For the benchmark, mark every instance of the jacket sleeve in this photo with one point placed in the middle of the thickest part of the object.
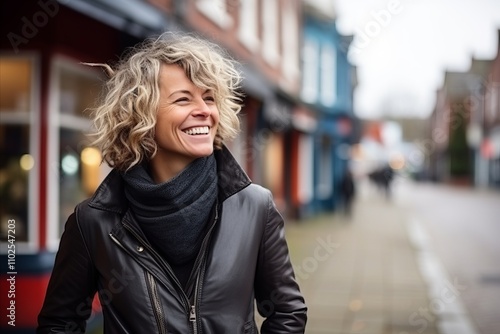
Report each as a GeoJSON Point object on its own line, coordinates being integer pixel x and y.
{"type": "Point", "coordinates": [279, 299]}
{"type": "Point", "coordinates": [72, 285]}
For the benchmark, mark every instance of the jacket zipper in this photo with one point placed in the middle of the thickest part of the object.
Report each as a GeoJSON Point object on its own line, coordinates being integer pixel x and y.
{"type": "Point", "coordinates": [193, 316]}
{"type": "Point", "coordinates": [155, 300]}
{"type": "Point", "coordinates": [190, 307]}
{"type": "Point", "coordinates": [200, 261]}
{"type": "Point", "coordinates": [198, 287]}
{"type": "Point", "coordinates": [205, 242]}
{"type": "Point", "coordinates": [199, 276]}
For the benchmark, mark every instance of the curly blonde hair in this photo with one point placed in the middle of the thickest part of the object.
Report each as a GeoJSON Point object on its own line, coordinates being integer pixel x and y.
{"type": "Point", "coordinates": [125, 120]}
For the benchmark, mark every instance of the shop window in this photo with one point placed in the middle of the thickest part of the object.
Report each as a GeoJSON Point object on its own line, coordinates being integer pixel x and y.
{"type": "Point", "coordinates": [76, 169]}
{"type": "Point", "coordinates": [79, 173]}
{"type": "Point", "coordinates": [15, 166]}
{"type": "Point", "coordinates": [17, 149]}
{"type": "Point", "coordinates": [306, 168]}
{"type": "Point", "coordinates": [274, 167]}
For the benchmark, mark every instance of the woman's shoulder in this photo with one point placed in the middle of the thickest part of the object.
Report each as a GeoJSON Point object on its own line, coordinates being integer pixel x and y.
{"type": "Point", "coordinates": [257, 191]}
{"type": "Point", "coordinates": [256, 196]}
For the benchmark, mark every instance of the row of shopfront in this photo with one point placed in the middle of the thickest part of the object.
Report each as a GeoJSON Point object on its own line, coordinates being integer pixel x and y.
{"type": "Point", "coordinates": [47, 167]}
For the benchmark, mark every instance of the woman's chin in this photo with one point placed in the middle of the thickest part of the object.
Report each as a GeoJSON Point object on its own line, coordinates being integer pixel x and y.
{"type": "Point", "coordinates": [201, 152]}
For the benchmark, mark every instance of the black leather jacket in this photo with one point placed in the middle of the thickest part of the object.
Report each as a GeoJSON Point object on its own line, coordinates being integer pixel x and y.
{"type": "Point", "coordinates": [244, 258]}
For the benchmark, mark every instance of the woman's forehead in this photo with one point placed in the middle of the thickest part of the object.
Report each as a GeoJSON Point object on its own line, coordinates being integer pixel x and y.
{"type": "Point", "coordinates": [173, 79]}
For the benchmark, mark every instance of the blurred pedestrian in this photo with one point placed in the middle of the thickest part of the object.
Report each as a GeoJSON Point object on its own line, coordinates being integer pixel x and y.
{"type": "Point", "coordinates": [382, 178]}
{"type": "Point", "coordinates": [348, 191]}
{"type": "Point", "coordinates": [176, 232]}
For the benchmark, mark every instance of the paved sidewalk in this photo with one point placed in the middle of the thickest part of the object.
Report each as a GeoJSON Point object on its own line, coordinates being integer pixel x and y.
{"type": "Point", "coordinates": [361, 274]}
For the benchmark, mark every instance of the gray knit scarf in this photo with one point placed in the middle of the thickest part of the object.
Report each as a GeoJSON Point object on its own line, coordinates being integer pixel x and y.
{"type": "Point", "coordinates": [174, 214]}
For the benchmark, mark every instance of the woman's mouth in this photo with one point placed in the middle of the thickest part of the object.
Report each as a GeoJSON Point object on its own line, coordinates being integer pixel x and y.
{"type": "Point", "coordinates": [199, 130]}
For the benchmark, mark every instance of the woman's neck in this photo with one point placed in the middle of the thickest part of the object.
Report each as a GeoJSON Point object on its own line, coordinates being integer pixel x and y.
{"type": "Point", "coordinates": [164, 168]}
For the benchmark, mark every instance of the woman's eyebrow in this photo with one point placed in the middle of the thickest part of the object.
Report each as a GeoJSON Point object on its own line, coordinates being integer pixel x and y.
{"type": "Point", "coordinates": [181, 91]}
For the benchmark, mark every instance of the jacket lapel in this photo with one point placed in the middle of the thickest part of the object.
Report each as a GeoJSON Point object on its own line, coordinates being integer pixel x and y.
{"type": "Point", "coordinates": [128, 236]}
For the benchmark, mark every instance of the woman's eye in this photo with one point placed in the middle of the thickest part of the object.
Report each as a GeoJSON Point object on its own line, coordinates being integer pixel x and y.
{"type": "Point", "coordinates": [182, 99]}
{"type": "Point", "coordinates": [209, 98]}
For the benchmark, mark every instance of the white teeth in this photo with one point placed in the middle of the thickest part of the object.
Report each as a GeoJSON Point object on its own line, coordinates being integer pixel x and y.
{"type": "Point", "coordinates": [202, 130]}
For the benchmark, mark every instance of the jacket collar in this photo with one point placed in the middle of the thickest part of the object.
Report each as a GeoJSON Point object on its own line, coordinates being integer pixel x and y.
{"type": "Point", "coordinates": [110, 195]}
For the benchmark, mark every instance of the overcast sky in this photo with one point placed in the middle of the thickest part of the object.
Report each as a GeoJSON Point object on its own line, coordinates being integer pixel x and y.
{"type": "Point", "coordinates": [402, 48]}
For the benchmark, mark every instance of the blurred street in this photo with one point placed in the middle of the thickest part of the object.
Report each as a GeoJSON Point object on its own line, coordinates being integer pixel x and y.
{"type": "Point", "coordinates": [422, 261]}
{"type": "Point", "coordinates": [463, 227]}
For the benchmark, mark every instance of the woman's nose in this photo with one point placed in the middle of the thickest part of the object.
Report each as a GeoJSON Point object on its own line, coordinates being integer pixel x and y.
{"type": "Point", "coordinates": [202, 109]}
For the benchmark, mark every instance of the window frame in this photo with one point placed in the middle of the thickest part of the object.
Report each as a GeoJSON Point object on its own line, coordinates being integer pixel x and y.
{"type": "Point", "coordinates": [310, 71]}
{"type": "Point", "coordinates": [289, 38]}
{"type": "Point", "coordinates": [270, 33]}
{"type": "Point", "coordinates": [216, 11]}
{"type": "Point", "coordinates": [32, 119]}
{"type": "Point", "coordinates": [328, 72]}
{"type": "Point", "coordinates": [248, 30]}
{"type": "Point", "coordinates": [57, 121]}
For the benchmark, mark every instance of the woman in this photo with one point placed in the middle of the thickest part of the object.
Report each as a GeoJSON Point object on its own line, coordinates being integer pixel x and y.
{"type": "Point", "coordinates": [176, 239]}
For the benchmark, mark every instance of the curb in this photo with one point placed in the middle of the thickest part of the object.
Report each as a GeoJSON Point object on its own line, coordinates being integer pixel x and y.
{"type": "Point", "coordinates": [444, 294]}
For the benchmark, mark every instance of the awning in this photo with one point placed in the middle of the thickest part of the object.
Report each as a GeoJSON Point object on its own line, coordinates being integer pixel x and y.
{"type": "Point", "coordinates": [276, 110]}
{"type": "Point", "coordinates": [255, 84]}
{"type": "Point", "coordinates": [135, 17]}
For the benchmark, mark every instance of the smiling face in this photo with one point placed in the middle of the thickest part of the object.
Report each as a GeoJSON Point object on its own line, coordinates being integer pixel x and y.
{"type": "Point", "coordinates": [186, 123]}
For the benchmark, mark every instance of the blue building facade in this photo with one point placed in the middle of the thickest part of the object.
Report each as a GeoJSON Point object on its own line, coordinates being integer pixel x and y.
{"type": "Point", "coordinates": [327, 87]}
